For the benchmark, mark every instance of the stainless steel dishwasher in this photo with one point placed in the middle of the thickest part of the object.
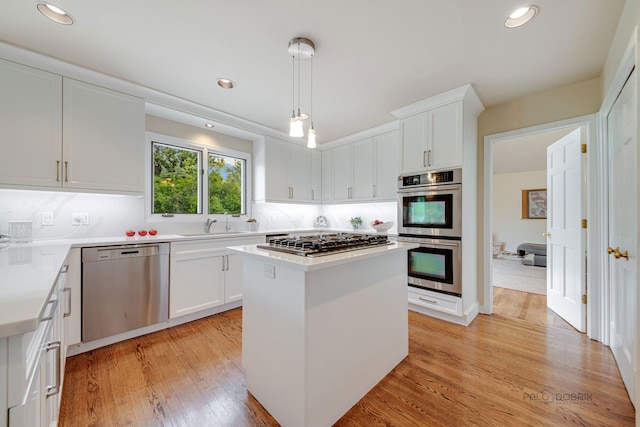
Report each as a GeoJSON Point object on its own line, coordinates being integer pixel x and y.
{"type": "Point", "coordinates": [123, 288]}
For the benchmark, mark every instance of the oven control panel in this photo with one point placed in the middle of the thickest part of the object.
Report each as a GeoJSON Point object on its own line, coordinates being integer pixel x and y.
{"type": "Point", "coordinates": [453, 176]}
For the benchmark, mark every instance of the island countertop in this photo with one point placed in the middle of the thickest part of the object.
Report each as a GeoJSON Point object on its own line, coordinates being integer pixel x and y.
{"type": "Point", "coordinates": [316, 263]}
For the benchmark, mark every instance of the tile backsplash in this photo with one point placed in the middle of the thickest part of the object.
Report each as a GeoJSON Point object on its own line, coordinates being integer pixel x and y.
{"type": "Point", "coordinates": [56, 215]}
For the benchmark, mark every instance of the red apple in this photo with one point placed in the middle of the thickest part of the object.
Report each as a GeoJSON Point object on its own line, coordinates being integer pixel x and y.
{"type": "Point", "coordinates": [130, 233]}
{"type": "Point", "coordinates": [142, 232]}
{"type": "Point", "coordinates": [153, 232]}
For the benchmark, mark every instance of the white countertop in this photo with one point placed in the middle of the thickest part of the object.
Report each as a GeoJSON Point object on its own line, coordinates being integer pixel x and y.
{"type": "Point", "coordinates": [28, 272]}
{"type": "Point", "coordinates": [316, 263]}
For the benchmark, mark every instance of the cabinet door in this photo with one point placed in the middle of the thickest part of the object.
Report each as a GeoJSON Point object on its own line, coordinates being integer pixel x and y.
{"type": "Point", "coordinates": [277, 170]}
{"type": "Point", "coordinates": [362, 170]}
{"type": "Point", "coordinates": [414, 143]}
{"type": "Point", "coordinates": [197, 282]}
{"type": "Point", "coordinates": [233, 277]}
{"type": "Point", "coordinates": [327, 176]}
{"type": "Point", "coordinates": [387, 148]}
{"type": "Point", "coordinates": [342, 173]}
{"type": "Point", "coordinates": [316, 176]}
{"type": "Point", "coordinates": [300, 173]}
{"type": "Point", "coordinates": [30, 126]}
{"type": "Point", "coordinates": [445, 136]}
{"type": "Point", "coordinates": [103, 139]}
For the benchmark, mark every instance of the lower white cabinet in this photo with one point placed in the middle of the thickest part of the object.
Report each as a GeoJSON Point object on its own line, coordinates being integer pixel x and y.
{"type": "Point", "coordinates": [35, 366]}
{"type": "Point", "coordinates": [204, 274]}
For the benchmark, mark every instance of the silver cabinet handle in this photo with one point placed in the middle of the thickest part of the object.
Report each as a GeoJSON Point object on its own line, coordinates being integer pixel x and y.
{"type": "Point", "coordinates": [223, 262]}
{"type": "Point", "coordinates": [313, 194]}
{"type": "Point", "coordinates": [374, 191]}
{"type": "Point", "coordinates": [57, 170]}
{"type": "Point", "coordinates": [49, 316]}
{"type": "Point", "coordinates": [55, 389]}
{"type": "Point", "coordinates": [66, 171]}
{"type": "Point", "coordinates": [429, 158]}
{"type": "Point", "coordinates": [430, 301]}
{"type": "Point", "coordinates": [424, 158]}
{"type": "Point", "coordinates": [68, 292]}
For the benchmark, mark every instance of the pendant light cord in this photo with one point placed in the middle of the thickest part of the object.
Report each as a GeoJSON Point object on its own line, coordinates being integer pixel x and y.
{"type": "Point", "coordinates": [299, 79]}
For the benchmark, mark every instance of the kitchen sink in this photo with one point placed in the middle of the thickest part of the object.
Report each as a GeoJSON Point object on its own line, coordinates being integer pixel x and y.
{"type": "Point", "coordinates": [215, 234]}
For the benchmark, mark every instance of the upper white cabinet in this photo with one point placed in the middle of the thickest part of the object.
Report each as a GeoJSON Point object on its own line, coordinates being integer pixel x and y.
{"type": "Point", "coordinates": [30, 126]}
{"type": "Point", "coordinates": [434, 132]}
{"type": "Point", "coordinates": [316, 176]}
{"type": "Point", "coordinates": [283, 172]}
{"type": "Point", "coordinates": [65, 133]}
{"type": "Point", "coordinates": [103, 139]}
{"type": "Point", "coordinates": [363, 171]}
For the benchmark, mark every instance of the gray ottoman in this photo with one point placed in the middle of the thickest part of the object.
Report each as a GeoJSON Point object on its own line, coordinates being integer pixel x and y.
{"type": "Point", "coordinates": [538, 250]}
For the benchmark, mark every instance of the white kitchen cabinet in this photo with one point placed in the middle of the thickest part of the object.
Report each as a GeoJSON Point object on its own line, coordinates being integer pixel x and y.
{"type": "Point", "coordinates": [196, 278]}
{"type": "Point", "coordinates": [327, 176]}
{"type": "Point", "coordinates": [62, 133]}
{"type": "Point", "coordinates": [439, 132]}
{"type": "Point", "coordinates": [365, 170]}
{"type": "Point", "coordinates": [432, 140]}
{"type": "Point", "coordinates": [30, 126]}
{"type": "Point", "coordinates": [282, 171]}
{"type": "Point", "coordinates": [387, 152]}
{"type": "Point", "coordinates": [205, 274]}
{"type": "Point", "coordinates": [342, 165]}
{"type": "Point", "coordinates": [33, 371]}
{"type": "Point", "coordinates": [74, 283]}
{"type": "Point", "coordinates": [103, 139]}
{"type": "Point", "coordinates": [316, 176]}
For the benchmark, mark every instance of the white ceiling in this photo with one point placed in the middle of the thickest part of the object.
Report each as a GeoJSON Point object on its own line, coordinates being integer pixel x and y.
{"type": "Point", "coordinates": [372, 56]}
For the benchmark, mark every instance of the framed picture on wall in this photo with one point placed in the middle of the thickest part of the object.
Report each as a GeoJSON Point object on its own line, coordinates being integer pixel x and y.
{"type": "Point", "coordinates": [534, 204]}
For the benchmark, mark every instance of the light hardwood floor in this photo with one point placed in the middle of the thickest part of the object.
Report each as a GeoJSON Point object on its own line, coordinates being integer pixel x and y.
{"type": "Point", "coordinates": [523, 367]}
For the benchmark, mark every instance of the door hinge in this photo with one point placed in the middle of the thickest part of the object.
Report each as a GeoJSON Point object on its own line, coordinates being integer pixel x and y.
{"type": "Point", "coordinates": [584, 223]}
{"type": "Point", "coordinates": [584, 299]}
{"type": "Point", "coordinates": [584, 148]}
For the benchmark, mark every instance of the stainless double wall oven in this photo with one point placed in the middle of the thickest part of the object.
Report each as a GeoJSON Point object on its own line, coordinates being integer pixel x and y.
{"type": "Point", "coordinates": [430, 214]}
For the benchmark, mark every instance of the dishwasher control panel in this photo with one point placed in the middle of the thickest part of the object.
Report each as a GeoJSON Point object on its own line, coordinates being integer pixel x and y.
{"type": "Point", "coordinates": [127, 253]}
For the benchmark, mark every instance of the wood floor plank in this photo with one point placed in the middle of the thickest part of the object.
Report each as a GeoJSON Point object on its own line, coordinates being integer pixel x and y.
{"type": "Point", "coordinates": [520, 366]}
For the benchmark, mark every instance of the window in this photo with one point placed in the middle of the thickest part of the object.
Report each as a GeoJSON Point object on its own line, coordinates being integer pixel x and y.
{"type": "Point", "coordinates": [181, 185]}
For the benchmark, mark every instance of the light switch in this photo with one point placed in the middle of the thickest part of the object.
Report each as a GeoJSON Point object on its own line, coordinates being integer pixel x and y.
{"type": "Point", "coordinates": [47, 218]}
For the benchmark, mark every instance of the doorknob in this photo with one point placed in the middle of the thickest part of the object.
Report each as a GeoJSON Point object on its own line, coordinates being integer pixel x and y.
{"type": "Point", "coordinates": [617, 254]}
{"type": "Point", "coordinates": [546, 234]}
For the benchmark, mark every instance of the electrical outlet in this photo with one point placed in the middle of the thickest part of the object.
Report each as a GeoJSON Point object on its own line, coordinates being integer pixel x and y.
{"type": "Point", "coordinates": [270, 271]}
{"type": "Point", "coordinates": [80, 218]}
{"type": "Point", "coordinates": [47, 218]}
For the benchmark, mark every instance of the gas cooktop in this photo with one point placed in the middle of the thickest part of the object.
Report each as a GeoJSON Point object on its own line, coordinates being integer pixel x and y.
{"type": "Point", "coordinates": [324, 244]}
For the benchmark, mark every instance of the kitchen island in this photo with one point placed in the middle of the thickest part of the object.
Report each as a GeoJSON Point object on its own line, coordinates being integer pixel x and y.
{"type": "Point", "coordinates": [319, 333]}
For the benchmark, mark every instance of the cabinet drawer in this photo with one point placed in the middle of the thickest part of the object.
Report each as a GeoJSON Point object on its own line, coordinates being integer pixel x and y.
{"type": "Point", "coordinates": [434, 301]}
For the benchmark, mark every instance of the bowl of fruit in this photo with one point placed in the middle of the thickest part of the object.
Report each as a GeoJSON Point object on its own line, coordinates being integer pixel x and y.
{"type": "Point", "coordinates": [381, 226]}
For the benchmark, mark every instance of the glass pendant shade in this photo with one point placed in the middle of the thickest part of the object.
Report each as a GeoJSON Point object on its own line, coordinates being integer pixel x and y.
{"type": "Point", "coordinates": [312, 137]}
{"type": "Point", "coordinates": [295, 128]}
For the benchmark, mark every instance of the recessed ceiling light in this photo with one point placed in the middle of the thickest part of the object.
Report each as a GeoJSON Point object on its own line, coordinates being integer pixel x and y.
{"type": "Point", "coordinates": [55, 13]}
{"type": "Point", "coordinates": [226, 83]}
{"type": "Point", "coordinates": [209, 125]}
{"type": "Point", "coordinates": [521, 16]}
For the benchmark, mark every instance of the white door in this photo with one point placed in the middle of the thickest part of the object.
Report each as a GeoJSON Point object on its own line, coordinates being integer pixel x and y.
{"type": "Point", "coordinates": [623, 231]}
{"type": "Point", "coordinates": [566, 283]}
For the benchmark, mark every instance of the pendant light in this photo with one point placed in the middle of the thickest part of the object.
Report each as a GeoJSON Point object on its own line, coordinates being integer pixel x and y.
{"type": "Point", "coordinates": [311, 143]}
{"type": "Point", "coordinates": [300, 49]}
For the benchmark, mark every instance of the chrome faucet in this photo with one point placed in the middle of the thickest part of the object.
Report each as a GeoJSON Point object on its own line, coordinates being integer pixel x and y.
{"type": "Point", "coordinates": [208, 224]}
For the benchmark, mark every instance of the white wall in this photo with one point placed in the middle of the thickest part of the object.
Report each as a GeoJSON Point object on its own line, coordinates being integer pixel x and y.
{"type": "Point", "coordinates": [508, 225]}
{"type": "Point", "coordinates": [338, 215]}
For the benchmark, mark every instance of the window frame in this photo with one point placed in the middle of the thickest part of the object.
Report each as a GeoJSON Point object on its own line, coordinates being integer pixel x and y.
{"type": "Point", "coordinates": [204, 150]}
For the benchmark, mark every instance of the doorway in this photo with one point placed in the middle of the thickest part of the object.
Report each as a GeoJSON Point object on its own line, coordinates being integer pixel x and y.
{"type": "Point", "coordinates": [518, 138]}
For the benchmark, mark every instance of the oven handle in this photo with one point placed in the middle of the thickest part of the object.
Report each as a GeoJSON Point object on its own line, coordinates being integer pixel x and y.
{"type": "Point", "coordinates": [425, 243]}
{"type": "Point", "coordinates": [430, 188]}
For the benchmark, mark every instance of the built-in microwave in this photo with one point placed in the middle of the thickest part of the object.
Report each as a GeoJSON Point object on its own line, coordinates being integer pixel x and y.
{"type": "Point", "coordinates": [430, 204]}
